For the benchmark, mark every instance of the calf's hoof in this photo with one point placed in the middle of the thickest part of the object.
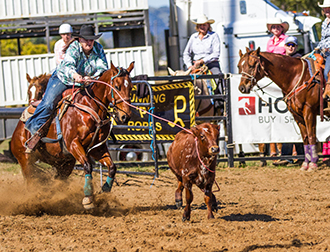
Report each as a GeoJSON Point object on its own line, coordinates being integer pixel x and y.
{"type": "Point", "coordinates": [215, 206]}
{"type": "Point", "coordinates": [178, 204]}
{"type": "Point", "coordinates": [88, 202]}
{"type": "Point", "coordinates": [304, 166]}
{"type": "Point", "coordinates": [312, 167]}
{"type": "Point", "coordinates": [185, 218]}
{"type": "Point", "coordinates": [263, 163]}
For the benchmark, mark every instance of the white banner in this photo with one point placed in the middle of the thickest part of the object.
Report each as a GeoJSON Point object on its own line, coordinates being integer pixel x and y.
{"type": "Point", "coordinates": [266, 119]}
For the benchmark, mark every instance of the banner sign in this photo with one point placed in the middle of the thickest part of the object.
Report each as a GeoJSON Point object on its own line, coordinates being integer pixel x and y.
{"type": "Point", "coordinates": [263, 117]}
{"type": "Point", "coordinates": [173, 101]}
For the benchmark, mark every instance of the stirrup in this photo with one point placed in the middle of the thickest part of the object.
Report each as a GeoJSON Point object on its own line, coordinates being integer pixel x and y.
{"type": "Point", "coordinates": [32, 142]}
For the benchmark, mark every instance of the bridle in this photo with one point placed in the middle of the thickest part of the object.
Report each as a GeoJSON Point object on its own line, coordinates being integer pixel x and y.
{"type": "Point", "coordinates": [252, 77]}
{"type": "Point", "coordinates": [113, 100]}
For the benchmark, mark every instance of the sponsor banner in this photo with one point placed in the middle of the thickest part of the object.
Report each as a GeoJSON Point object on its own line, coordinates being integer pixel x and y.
{"type": "Point", "coordinates": [262, 116]}
{"type": "Point", "coordinates": [173, 101]}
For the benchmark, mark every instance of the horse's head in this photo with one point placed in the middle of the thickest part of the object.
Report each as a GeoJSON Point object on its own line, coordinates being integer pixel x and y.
{"type": "Point", "coordinates": [37, 86]}
{"type": "Point", "coordinates": [121, 82]}
{"type": "Point", "coordinates": [251, 69]}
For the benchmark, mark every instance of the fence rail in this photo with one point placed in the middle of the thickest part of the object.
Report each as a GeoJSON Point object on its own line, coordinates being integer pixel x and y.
{"type": "Point", "coordinates": [13, 70]}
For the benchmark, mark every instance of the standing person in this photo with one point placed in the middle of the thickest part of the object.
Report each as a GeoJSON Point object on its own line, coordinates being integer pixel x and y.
{"type": "Point", "coordinates": [291, 46]}
{"type": "Point", "coordinates": [276, 43]}
{"type": "Point", "coordinates": [203, 47]}
{"type": "Point", "coordinates": [65, 31]}
{"type": "Point", "coordinates": [84, 59]}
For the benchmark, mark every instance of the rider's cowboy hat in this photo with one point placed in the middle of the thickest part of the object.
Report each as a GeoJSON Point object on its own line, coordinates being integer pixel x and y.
{"type": "Point", "coordinates": [326, 4]}
{"type": "Point", "coordinates": [278, 21]}
{"type": "Point", "coordinates": [87, 32]}
{"type": "Point", "coordinates": [202, 20]}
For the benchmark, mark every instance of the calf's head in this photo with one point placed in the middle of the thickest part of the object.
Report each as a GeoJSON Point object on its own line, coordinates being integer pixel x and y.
{"type": "Point", "coordinates": [207, 138]}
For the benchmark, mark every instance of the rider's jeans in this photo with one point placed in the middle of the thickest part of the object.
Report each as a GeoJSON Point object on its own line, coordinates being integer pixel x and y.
{"type": "Point", "coordinates": [52, 96]}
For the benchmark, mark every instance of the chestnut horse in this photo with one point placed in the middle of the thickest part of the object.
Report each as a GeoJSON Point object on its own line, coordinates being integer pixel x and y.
{"type": "Point", "coordinates": [37, 86]}
{"type": "Point", "coordinates": [301, 94]}
{"type": "Point", "coordinates": [85, 127]}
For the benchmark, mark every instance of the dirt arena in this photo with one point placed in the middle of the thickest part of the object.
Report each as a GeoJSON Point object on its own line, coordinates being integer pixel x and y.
{"type": "Point", "coordinates": [260, 209]}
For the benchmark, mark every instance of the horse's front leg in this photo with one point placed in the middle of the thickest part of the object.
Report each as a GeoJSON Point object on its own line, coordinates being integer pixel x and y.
{"type": "Point", "coordinates": [77, 150]}
{"type": "Point", "coordinates": [103, 156]}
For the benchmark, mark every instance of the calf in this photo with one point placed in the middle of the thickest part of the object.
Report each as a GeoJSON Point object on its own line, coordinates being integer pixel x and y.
{"type": "Point", "coordinates": [184, 158]}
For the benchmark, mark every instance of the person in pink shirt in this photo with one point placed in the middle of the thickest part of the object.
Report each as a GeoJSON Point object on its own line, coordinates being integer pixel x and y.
{"type": "Point", "coordinates": [276, 43]}
{"type": "Point", "coordinates": [65, 31]}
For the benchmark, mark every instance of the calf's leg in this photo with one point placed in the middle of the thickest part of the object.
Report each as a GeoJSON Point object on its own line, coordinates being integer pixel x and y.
{"type": "Point", "coordinates": [209, 200]}
{"type": "Point", "coordinates": [189, 199]}
{"type": "Point", "coordinates": [178, 195]}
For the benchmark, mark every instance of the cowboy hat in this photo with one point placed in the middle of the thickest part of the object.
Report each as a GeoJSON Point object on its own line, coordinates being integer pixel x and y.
{"type": "Point", "coordinates": [202, 20]}
{"type": "Point", "coordinates": [87, 32]}
{"type": "Point", "coordinates": [278, 21]}
{"type": "Point", "coordinates": [326, 3]}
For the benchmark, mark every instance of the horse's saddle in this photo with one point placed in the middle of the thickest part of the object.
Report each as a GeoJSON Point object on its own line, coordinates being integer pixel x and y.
{"type": "Point", "coordinates": [28, 112]}
{"type": "Point", "coordinates": [316, 64]}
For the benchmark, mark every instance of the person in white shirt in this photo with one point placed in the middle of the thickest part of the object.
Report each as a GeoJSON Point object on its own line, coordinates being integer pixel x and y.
{"type": "Point", "coordinates": [65, 31]}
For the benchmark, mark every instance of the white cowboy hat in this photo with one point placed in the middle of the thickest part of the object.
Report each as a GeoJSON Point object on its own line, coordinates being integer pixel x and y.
{"type": "Point", "coordinates": [285, 25]}
{"type": "Point", "coordinates": [326, 3]}
{"type": "Point", "coordinates": [202, 20]}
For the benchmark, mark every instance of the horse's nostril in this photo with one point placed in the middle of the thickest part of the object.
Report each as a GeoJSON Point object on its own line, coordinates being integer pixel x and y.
{"type": "Point", "coordinates": [124, 118]}
{"type": "Point", "coordinates": [242, 89]}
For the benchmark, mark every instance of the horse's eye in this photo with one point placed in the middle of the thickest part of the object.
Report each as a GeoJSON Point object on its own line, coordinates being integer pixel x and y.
{"type": "Point", "coordinates": [118, 88]}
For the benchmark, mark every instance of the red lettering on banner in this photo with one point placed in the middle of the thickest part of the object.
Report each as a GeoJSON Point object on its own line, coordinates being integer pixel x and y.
{"type": "Point", "coordinates": [246, 105]}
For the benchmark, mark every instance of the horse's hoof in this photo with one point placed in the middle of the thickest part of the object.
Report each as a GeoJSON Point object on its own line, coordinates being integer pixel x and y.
{"type": "Point", "coordinates": [178, 204]}
{"type": "Point", "coordinates": [312, 167]}
{"type": "Point", "coordinates": [88, 202]}
{"type": "Point", "coordinates": [185, 219]}
{"type": "Point", "coordinates": [304, 166]}
{"type": "Point", "coordinates": [106, 188]}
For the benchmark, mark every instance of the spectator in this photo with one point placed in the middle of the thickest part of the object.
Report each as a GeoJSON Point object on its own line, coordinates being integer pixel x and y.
{"type": "Point", "coordinates": [65, 31]}
{"type": "Point", "coordinates": [203, 47]}
{"type": "Point", "coordinates": [276, 43]}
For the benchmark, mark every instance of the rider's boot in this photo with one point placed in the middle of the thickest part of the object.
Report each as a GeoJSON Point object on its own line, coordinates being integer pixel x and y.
{"type": "Point", "coordinates": [31, 143]}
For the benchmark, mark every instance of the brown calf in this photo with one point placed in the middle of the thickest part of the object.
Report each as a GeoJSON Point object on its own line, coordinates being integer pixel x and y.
{"type": "Point", "coordinates": [182, 158]}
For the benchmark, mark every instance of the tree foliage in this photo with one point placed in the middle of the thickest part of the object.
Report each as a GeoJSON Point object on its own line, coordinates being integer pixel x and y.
{"type": "Point", "coordinates": [299, 6]}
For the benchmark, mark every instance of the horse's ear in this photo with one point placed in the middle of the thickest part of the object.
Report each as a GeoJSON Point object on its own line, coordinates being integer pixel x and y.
{"type": "Point", "coordinates": [170, 71]}
{"type": "Point", "coordinates": [113, 68]}
{"type": "Point", "coordinates": [247, 49]}
{"type": "Point", "coordinates": [240, 53]}
{"type": "Point", "coordinates": [188, 71]}
{"type": "Point", "coordinates": [258, 50]}
{"type": "Point", "coordinates": [131, 66]}
{"type": "Point", "coordinates": [28, 77]}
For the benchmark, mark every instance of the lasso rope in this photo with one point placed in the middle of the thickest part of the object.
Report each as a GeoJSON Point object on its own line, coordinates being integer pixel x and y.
{"type": "Point", "coordinates": [160, 118]}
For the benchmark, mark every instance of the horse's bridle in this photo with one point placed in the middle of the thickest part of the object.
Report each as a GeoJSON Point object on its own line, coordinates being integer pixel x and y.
{"type": "Point", "coordinates": [252, 77]}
